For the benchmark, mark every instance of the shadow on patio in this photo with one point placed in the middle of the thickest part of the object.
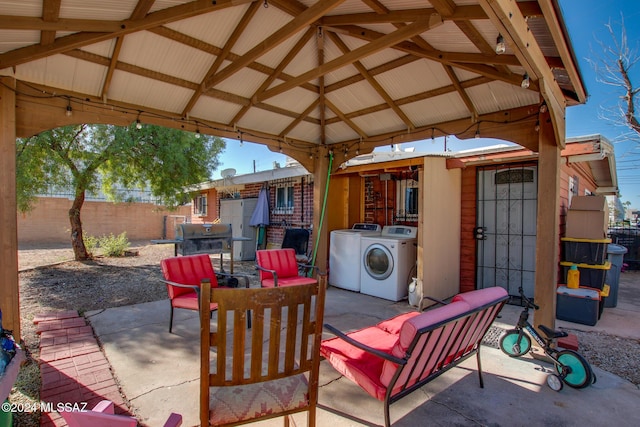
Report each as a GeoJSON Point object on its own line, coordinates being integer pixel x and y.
{"type": "Point", "coordinates": [158, 373]}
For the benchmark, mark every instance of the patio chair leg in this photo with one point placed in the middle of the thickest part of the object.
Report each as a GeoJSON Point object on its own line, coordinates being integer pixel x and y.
{"type": "Point", "coordinates": [171, 319]}
{"type": "Point", "coordinates": [479, 368]}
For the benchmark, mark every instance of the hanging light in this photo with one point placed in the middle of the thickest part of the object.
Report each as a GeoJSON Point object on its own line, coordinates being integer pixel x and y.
{"type": "Point", "coordinates": [543, 107]}
{"type": "Point", "coordinates": [500, 46]}
{"type": "Point", "coordinates": [197, 134]}
{"type": "Point", "coordinates": [478, 131]}
{"type": "Point", "coordinates": [525, 81]}
{"type": "Point", "coordinates": [537, 126]}
{"type": "Point", "coordinates": [69, 111]}
{"type": "Point", "coordinates": [240, 138]}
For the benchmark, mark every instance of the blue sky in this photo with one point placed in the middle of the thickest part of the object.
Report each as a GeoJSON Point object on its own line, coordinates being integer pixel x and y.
{"type": "Point", "coordinates": [585, 21]}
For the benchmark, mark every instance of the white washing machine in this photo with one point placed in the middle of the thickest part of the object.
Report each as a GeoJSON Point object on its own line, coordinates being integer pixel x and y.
{"type": "Point", "coordinates": [387, 262]}
{"type": "Point", "coordinates": [344, 255]}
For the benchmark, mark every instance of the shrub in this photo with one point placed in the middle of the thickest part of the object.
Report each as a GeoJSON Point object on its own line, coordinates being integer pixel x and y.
{"type": "Point", "coordinates": [114, 246]}
{"type": "Point", "coordinates": [90, 243]}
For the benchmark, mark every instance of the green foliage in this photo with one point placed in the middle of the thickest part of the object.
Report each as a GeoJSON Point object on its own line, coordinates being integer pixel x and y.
{"type": "Point", "coordinates": [168, 160]}
{"type": "Point", "coordinates": [114, 246]}
{"type": "Point", "coordinates": [91, 243]}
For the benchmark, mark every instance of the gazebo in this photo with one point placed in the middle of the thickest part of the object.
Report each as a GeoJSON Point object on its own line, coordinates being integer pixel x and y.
{"type": "Point", "coordinates": [316, 80]}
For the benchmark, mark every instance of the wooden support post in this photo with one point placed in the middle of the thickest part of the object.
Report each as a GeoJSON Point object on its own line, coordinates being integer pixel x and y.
{"type": "Point", "coordinates": [9, 298]}
{"type": "Point", "coordinates": [548, 239]}
{"type": "Point", "coordinates": [321, 165]}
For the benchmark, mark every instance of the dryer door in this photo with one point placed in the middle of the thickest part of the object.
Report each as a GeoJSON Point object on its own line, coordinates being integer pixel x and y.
{"type": "Point", "coordinates": [378, 261]}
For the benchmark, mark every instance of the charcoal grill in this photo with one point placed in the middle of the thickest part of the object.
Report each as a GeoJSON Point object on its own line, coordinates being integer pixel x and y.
{"type": "Point", "coordinates": [194, 239]}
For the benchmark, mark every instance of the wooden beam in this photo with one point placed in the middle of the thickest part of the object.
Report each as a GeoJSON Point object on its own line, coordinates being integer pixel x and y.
{"type": "Point", "coordinates": [302, 20]}
{"type": "Point", "coordinates": [373, 82]}
{"type": "Point", "coordinates": [508, 18]}
{"type": "Point", "coordinates": [76, 41]}
{"type": "Point", "coordinates": [564, 47]}
{"type": "Point", "coordinates": [547, 235]}
{"type": "Point", "coordinates": [50, 13]}
{"type": "Point", "coordinates": [461, 13]}
{"type": "Point", "coordinates": [277, 72]}
{"type": "Point", "coordinates": [475, 64]}
{"type": "Point", "coordinates": [381, 43]}
{"type": "Point", "coordinates": [226, 50]}
{"type": "Point", "coordinates": [9, 289]}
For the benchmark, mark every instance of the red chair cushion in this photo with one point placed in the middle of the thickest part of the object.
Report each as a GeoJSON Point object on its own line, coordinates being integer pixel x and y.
{"type": "Point", "coordinates": [289, 281]}
{"type": "Point", "coordinates": [187, 270]}
{"type": "Point", "coordinates": [189, 301]}
{"type": "Point", "coordinates": [359, 366]}
{"type": "Point", "coordinates": [283, 261]}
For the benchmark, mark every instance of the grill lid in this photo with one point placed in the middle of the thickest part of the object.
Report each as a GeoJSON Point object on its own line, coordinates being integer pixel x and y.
{"type": "Point", "coordinates": [203, 231]}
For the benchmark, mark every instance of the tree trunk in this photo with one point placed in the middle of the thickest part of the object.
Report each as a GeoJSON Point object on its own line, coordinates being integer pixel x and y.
{"type": "Point", "coordinates": [77, 240]}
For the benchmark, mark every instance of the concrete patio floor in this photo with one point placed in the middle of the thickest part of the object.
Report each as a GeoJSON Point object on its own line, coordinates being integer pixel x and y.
{"type": "Point", "coordinates": [159, 373]}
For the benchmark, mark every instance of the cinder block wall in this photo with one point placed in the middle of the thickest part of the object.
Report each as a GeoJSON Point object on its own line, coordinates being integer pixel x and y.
{"type": "Point", "coordinates": [48, 222]}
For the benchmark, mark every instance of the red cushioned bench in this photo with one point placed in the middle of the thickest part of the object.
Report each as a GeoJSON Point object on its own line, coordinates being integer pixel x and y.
{"type": "Point", "coordinates": [399, 355]}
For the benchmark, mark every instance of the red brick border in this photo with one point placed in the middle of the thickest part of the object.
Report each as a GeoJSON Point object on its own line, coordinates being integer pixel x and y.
{"type": "Point", "coordinates": [73, 368]}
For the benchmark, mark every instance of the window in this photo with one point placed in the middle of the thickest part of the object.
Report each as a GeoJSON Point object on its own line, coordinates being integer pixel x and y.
{"type": "Point", "coordinates": [200, 205]}
{"type": "Point", "coordinates": [407, 199]}
{"type": "Point", "coordinates": [284, 200]}
{"type": "Point", "coordinates": [573, 188]}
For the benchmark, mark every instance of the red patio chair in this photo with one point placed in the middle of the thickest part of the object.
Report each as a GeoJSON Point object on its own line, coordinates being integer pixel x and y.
{"type": "Point", "coordinates": [278, 267]}
{"type": "Point", "coordinates": [183, 276]}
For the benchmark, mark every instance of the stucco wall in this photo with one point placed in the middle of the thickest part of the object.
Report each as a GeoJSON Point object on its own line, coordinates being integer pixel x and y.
{"type": "Point", "coordinates": [48, 222]}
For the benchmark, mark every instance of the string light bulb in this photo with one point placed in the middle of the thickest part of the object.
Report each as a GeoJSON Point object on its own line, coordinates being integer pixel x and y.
{"type": "Point", "coordinates": [138, 124]}
{"type": "Point", "coordinates": [478, 131]}
{"type": "Point", "coordinates": [69, 110]}
{"type": "Point", "coordinates": [501, 47]}
{"type": "Point", "coordinates": [197, 134]}
{"type": "Point", "coordinates": [537, 126]}
{"type": "Point", "coordinates": [525, 81]}
{"type": "Point", "coordinates": [543, 107]}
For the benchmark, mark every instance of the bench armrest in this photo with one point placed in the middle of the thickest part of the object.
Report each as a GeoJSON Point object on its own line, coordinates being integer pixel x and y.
{"type": "Point", "coordinates": [364, 347]}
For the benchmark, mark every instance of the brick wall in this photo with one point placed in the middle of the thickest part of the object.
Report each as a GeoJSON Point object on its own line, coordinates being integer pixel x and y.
{"type": "Point", "coordinates": [48, 222]}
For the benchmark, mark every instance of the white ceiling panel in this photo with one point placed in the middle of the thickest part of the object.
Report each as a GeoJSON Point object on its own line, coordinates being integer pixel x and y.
{"type": "Point", "coordinates": [355, 97]}
{"type": "Point", "coordinates": [214, 109]}
{"type": "Point", "coordinates": [413, 78]}
{"type": "Point", "coordinates": [438, 109]}
{"type": "Point", "coordinates": [146, 92]}
{"type": "Point", "coordinates": [165, 56]}
{"type": "Point", "coordinates": [11, 39]}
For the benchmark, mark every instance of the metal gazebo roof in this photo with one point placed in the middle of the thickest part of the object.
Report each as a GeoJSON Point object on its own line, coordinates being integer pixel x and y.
{"type": "Point", "coordinates": [351, 74]}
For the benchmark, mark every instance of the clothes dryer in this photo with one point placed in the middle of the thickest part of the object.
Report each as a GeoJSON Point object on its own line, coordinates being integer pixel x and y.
{"type": "Point", "coordinates": [388, 261]}
{"type": "Point", "coordinates": [344, 255]}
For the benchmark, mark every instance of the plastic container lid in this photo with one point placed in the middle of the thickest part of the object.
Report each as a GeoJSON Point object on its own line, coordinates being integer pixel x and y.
{"type": "Point", "coordinates": [612, 248]}
{"type": "Point", "coordinates": [574, 267]}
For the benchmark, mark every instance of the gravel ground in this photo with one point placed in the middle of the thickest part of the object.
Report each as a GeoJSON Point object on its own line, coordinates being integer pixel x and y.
{"type": "Point", "coordinates": [51, 281]}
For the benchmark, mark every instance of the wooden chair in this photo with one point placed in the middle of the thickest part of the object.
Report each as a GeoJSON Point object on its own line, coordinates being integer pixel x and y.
{"type": "Point", "coordinates": [278, 267]}
{"type": "Point", "coordinates": [183, 276]}
{"type": "Point", "coordinates": [103, 415]}
{"type": "Point", "coordinates": [270, 370]}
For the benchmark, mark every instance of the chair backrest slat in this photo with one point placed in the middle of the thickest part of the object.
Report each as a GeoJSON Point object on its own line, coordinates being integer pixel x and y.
{"type": "Point", "coordinates": [284, 339]}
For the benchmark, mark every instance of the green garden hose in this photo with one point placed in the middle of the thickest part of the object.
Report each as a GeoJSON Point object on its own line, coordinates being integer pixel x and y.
{"type": "Point", "coordinates": [324, 206]}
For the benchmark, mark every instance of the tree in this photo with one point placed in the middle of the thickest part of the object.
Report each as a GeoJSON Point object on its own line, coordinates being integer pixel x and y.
{"type": "Point", "coordinates": [615, 68]}
{"type": "Point", "coordinates": [92, 157]}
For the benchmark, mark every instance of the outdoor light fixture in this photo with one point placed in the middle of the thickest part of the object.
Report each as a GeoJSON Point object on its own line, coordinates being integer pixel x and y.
{"type": "Point", "coordinates": [478, 132]}
{"type": "Point", "coordinates": [138, 124]}
{"type": "Point", "coordinates": [197, 133]}
{"type": "Point", "coordinates": [543, 107]}
{"type": "Point", "coordinates": [500, 46]}
{"type": "Point", "coordinates": [537, 126]}
{"type": "Point", "coordinates": [240, 138]}
{"type": "Point", "coordinates": [525, 81]}
{"type": "Point", "coordinates": [69, 111]}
